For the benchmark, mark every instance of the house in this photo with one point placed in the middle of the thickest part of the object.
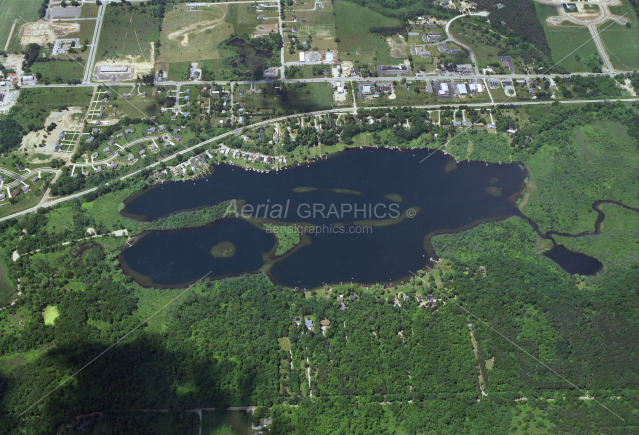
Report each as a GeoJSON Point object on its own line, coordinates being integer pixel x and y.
{"type": "Point", "coordinates": [186, 114]}
{"type": "Point", "coordinates": [309, 324]}
{"type": "Point", "coordinates": [113, 166]}
{"type": "Point", "coordinates": [26, 188]}
{"type": "Point", "coordinates": [57, 147]}
{"type": "Point", "coordinates": [187, 91]}
{"type": "Point", "coordinates": [142, 153]}
{"type": "Point", "coordinates": [267, 422]}
{"type": "Point", "coordinates": [500, 6]}
{"type": "Point", "coordinates": [20, 168]}
{"type": "Point", "coordinates": [2, 196]}
{"type": "Point", "coordinates": [153, 147]}
{"type": "Point", "coordinates": [90, 139]}
{"type": "Point", "coordinates": [260, 17]}
{"type": "Point", "coordinates": [187, 98]}
{"type": "Point", "coordinates": [94, 155]}
{"type": "Point", "coordinates": [297, 321]}
{"type": "Point", "coordinates": [98, 169]}
{"type": "Point", "coordinates": [130, 157]}
{"type": "Point", "coordinates": [95, 130]}
{"type": "Point", "coordinates": [128, 131]}
{"type": "Point", "coordinates": [63, 135]}
{"type": "Point", "coordinates": [162, 128]}
{"type": "Point", "coordinates": [35, 179]}
{"type": "Point", "coordinates": [111, 142]}
{"type": "Point", "coordinates": [151, 130]}
{"type": "Point", "coordinates": [125, 95]}
{"type": "Point", "coordinates": [143, 94]}
{"type": "Point", "coordinates": [241, 93]}
{"type": "Point", "coordinates": [178, 138]}
{"type": "Point", "coordinates": [106, 150]}
{"type": "Point", "coordinates": [294, 17]}
{"type": "Point", "coordinates": [419, 298]}
{"type": "Point", "coordinates": [354, 297]}
{"type": "Point", "coordinates": [15, 193]}
{"type": "Point", "coordinates": [405, 297]}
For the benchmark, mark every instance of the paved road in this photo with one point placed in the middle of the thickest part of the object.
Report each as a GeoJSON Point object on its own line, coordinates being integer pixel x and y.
{"type": "Point", "coordinates": [115, 154]}
{"type": "Point", "coordinates": [237, 131]}
{"type": "Point", "coordinates": [94, 45]}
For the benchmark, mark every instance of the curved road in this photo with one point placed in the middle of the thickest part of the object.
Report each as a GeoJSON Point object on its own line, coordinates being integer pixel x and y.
{"type": "Point", "coordinates": [465, 47]}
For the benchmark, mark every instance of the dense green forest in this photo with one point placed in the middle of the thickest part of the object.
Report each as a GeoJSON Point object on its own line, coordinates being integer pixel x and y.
{"type": "Point", "coordinates": [392, 359]}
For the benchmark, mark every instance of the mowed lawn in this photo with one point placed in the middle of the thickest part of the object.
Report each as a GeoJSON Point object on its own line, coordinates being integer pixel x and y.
{"type": "Point", "coordinates": [193, 36]}
{"type": "Point", "coordinates": [127, 32]}
{"type": "Point", "coordinates": [12, 9]}
{"type": "Point", "coordinates": [567, 41]}
{"type": "Point", "coordinates": [620, 42]}
{"type": "Point", "coordinates": [352, 24]}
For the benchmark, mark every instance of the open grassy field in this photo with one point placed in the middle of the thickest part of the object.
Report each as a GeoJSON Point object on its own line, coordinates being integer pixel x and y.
{"type": "Point", "coordinates": [50, 313]}
{"type": "Point", "coordinates": [192, 36]}
{"type": "Point", "coordinates": [301, 97]}
{"type": "Point", "coordinates": [243, 18]}
{"type": "Point", "coordinates": [620, 42]}
{"type": "Point", "coordinates": [354, 34]}
{"type": "Point", "coordinates": [226, 423]}
{"type": "Point", "coordinates": [14, 9]}
{"type": "Point", "coordinates": [60, 219]}
{"type": "Point", "coordinates": [567, 41]}
{"type": "Point", "coordinates": [59, 71]}
{"type": "Point", "coordinates": [106, 209]}
{"type": "Point", "coordinates": [89, 10]}
{"type": "Point", "coordinates": [127, 33]}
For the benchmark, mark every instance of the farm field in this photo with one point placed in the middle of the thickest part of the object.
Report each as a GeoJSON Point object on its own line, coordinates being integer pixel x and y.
{"type": "Point", "coordinates": [355, 36]}
{"type": "Point", "coordinates": [620, 42]}
{"type": "Point", "coordinates": [567, 41]}
{"type": "Point", "coordinates": [128, 34]}
{"type": "Point", "coordinates": [193, 36]}
{"type": "Point", "coordinates": [27, 9]}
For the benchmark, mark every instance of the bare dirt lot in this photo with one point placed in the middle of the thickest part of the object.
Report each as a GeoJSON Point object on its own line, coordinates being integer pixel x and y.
{"type": "Point", "coordinates": [66, 120]}
{"type": "Point", "coordinates": [42, 32]}
{"type": "Point", "coordinates": [397, 46]}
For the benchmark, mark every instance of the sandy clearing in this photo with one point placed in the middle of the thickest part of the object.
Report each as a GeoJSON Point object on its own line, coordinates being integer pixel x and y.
{"type": "Point", "coordinates": [41, 32]}
{"type": "Point", "coordinates": [195, 28]}
{"type": "Point", "coordinates": [67, 120]}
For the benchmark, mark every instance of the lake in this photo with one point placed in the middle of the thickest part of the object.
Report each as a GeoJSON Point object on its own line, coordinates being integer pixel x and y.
{"type": "Point", "coordinates": [362, 200]}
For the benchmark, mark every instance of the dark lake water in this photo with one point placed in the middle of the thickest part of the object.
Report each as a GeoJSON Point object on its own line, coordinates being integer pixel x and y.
{"type": "Point", "coordinates": [574, 262]}
{"type": "Point", "coordinates": [446, 197]}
